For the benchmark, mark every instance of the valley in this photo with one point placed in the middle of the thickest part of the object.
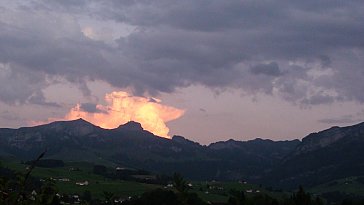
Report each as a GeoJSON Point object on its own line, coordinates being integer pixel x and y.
{"type": "Point", "coordinates": [129, 161]}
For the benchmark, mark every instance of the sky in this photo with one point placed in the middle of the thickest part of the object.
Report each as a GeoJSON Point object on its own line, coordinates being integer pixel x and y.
{"type": "Point", "coordinates": [208, 70]}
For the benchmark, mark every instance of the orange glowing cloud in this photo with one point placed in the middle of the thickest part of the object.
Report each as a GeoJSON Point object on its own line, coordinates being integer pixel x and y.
{"type": "Point", "coordinates": [122, 108]}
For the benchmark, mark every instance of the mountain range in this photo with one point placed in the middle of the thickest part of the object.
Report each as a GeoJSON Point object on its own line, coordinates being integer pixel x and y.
{"type": "Point", "coordinates": [319, 157]}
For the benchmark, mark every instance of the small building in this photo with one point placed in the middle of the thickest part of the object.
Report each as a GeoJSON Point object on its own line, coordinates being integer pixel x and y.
{"type": "Point", "coordinates": [85, 183]}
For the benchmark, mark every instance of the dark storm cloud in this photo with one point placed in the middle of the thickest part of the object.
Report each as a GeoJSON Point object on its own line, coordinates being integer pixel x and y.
{"type": "Point", "coordinates": [318, 99]}
{"type": "Point", "coordinates": [39, 99]}
{"type": "Point", "coordinates": [266, 69]}
{"type": "Point", "coordinates": [325, 60]}
{"type": "Point", "coordinates": [175, 44]}
{"type": "Point", "coordinates": [341, 120]}
{"type": "Point", "coordinates": [9, 116]}
{"type": "Point", "coordinates": [90, 108]}
{"type": "Point", "coordinates": [19, 85]}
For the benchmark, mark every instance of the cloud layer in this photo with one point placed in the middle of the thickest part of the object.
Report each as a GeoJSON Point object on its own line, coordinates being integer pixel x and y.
{"type": "Point", "coordinates": [122, 108]}
{"type": "Point", "coordinates": [306, 52]}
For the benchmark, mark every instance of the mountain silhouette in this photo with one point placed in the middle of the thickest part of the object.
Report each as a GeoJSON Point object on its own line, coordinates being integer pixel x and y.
{"type": "Point", "coordinates": [320, 157]}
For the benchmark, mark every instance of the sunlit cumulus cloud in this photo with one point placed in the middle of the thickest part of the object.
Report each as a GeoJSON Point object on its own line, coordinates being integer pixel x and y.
{"type": "Point", "coordinates": [122, 108]}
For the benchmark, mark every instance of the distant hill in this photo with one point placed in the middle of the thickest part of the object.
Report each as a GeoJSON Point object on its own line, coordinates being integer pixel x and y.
{"type": "Point", "coordinates": [331, 154]}
{"type": "Point", "coordinates": [320, 157]}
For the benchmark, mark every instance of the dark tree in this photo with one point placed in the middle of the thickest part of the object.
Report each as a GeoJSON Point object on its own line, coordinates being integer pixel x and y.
{"type": "Point", "coordinates": [100, 170]}
{"type": "Point", "coordinates": [180, 183]}
{"type": "Point", "coordinates": [236, 197]}
{"type": "Point", "coordinates": [108, 197]}
{"type": "Point", "coordinates": [87, 196]}
{"type": "Point", "coordinates": [301, 197]}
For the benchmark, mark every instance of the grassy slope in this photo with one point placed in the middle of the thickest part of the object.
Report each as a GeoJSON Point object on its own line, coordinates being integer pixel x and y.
{"type": "Point", "coordinates": [347, 185]}
{"type": "Point", "coordinates": [209, 191]}
{"type": "Point", "coordinates": [219, 191]}
{"type": "Point", "coordinates": [97, 184]}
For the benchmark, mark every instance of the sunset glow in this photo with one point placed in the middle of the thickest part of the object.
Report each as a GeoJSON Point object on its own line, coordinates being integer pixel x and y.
{"type": "Point", "coordinates": [122, 108]}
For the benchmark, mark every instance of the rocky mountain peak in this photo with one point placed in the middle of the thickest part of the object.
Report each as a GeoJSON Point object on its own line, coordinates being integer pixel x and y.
{"type": "Point", "coordinates": [78, 127]}
{"type": "Point", "coordinates": [329, 136]}
{"type": "Point", "coordinates": [229, 144]}
{"type": "Point", "coordinates": [132, 126]}
{"type": "Point", "coordinates": [183, 140]}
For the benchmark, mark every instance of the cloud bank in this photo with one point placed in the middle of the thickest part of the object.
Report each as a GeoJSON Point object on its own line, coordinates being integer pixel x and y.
{"type": "Point", "coordinates": [122, 108]}
{"type": "Point", "coordinates": [306, 52]}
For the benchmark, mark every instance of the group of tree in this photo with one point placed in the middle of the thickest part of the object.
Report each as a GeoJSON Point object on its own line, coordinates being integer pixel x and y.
{"type": "Point", "coordinates": [129, 175]}
{"type": "Point", "coordinates": [181, 195]}
{"type": "Point", "coordinates": [300, 197]}
{"type": "Point", "coordinates": [47, 163]}
{"type": "Point", "coordinates": [22, 189]}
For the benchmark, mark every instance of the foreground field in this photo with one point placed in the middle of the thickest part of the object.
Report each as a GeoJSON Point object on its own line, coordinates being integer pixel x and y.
{"type": "Point", "coordinates": [77, 178]}
{"type": "Point", "coordinates": [351, 186]}
{"type": "Point", "coordinates": [66, 178]}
